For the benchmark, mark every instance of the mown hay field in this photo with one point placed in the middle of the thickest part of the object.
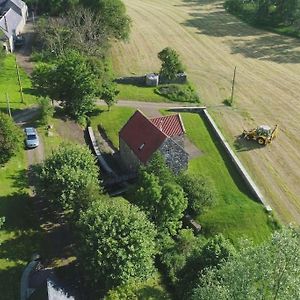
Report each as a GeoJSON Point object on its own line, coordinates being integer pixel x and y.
{"type": "Point", "coordinates": [211, 43]}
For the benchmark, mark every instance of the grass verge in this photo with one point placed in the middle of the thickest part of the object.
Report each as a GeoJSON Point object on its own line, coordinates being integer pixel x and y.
{"type": "Point", "coordinates": [137, 93]}
{"type": "Point", "coordinates": [111, 121]}
{"type": "Point", "coordinates": [20, 236]}
{"type": "Point", "coordinates": [9, 84]}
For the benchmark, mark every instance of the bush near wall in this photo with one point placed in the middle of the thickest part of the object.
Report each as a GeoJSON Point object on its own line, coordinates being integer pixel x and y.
{"type": "Point", "coordinates": [178, 93]}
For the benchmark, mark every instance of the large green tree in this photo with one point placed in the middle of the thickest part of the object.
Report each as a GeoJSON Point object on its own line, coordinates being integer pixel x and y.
{"type": "Point", "coordinates": [11, 138]}
{"type": "Point", "coordinates": [165, 205]}
{"type": "Point", "coordinates": [116, 243]}
{"type": "Point", "coordinates": [268, 271]}
{"type": "Point", "coordinates": [52, 7]}
{"type": "Point", "coordinates": [69, 178]}
{"type": "Point", "coordinates": [171, 64]}
{"type": "Point", "coordinates": [114, 19]}
{"type": "Point", "coordinates": [72, 81]}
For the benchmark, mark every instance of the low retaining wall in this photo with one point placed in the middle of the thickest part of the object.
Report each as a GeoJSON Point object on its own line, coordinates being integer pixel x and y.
{"type": "Point", "coordinates": [96, 149]}
{"type": "Point", "coordinates": [248, 180]}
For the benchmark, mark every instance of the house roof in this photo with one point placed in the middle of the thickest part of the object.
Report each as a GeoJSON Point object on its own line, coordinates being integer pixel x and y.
{"type": "Point", "coordinates": [170, 125]}
{"type": "Point", "coordinates": [142, 136]}
{"type": "Point", "coordinates": [9, 22]}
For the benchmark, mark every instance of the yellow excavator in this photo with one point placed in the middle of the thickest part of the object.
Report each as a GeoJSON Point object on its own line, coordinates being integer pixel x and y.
{"type": "Point", "coordinates": [263, 134]}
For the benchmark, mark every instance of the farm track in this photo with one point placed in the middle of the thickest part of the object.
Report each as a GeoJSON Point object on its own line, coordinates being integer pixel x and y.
{"type": "Point", "coordinates": [211, 42]}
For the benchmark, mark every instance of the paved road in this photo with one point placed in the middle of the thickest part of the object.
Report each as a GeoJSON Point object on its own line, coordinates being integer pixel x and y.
{"type": "Point", "coordinates": [23, 118]}
{"type": "Point", "coordinates": [151, 109]}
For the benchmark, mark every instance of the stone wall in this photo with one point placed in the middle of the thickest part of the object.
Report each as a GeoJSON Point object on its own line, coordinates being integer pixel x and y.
{"type": "Point", "coordinates": [175, 156]}
{"type": "Point", "coordinates": [128, 157]}
{"type": "Point", "coordinates": [179, 139]}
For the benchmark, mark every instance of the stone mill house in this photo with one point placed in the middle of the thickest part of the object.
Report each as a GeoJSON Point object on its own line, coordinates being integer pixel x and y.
{"type": "Point", "coordinates": [141, 137]}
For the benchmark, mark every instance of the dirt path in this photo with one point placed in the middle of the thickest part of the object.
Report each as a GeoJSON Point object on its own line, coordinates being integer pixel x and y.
{"type": "Point", "coordinates": [211, 42]}
{"type": "Point", "coordinates": [23, 53]}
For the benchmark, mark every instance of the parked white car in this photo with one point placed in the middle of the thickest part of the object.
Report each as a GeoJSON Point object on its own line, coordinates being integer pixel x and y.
{"type": "Point", "coordinates": [32, 139]}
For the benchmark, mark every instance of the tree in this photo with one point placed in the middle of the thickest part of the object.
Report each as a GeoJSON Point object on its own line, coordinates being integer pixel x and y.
{"type": "Point", "coordinates": [164, 205]}
{"type": "Point", "coordinates": [52, 7]}
{"type": "Point", "coordinates": [70, 81]}
{"type": "Point", "coordinates": [109, 93]}
{"type": "Point", "coordinates": [171, 65]}
{"type": "Point", "coordinates": [268, 271]}
{"type": "Point", "coordinates": [199, 191]}
{"type": "Point", "coordinates": [69, 178]}
{"type": "Point", "coordinates": [47, 109]}
{"type": "Point", "coordinates": [158, 167]}
{"type": "Point", "coordinates": [216, 251]}
{"type": "Point", "coordinates": [286, 10]}
{"type": "Point", "coordinates": [116, 243]}
{"type": "Point", "coordinates": [172, 205]}
{"type": "Point", "coordinates": [114, 20]}
{"type": "Point", "coordinates": [11, 138]}
{"type": "Point", "coordinates": [174, 257]}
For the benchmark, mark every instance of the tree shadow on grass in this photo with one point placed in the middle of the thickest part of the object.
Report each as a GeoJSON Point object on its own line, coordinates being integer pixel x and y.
{"type": "Point", "coordinates": [138, 81]}
{"type": "Point", "coordinates": [249, 41]}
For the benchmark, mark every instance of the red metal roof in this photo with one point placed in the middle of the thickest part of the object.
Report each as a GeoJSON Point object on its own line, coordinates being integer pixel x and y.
{"type": "Point", "coordinates": [169, 125]}
{"type": "Point", "coordinates": [142, 136]}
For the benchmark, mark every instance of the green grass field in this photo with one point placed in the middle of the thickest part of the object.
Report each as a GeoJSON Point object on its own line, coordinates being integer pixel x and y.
{"type": "Point", "coordinates": [237, 213]}
{"type": "Point", "coordinates": [112, 121]}
{"type": "Point", "coordinates": [137, 93]}
{"type": "Point", "coordinates": [9, 84]}
{"type": "Point", "coordinates": [20, 236]}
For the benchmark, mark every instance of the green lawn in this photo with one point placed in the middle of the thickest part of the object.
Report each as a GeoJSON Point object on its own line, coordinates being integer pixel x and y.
{"type": "Point", "coordinates": [9, 84]}
{"type": "Point", "coordinates": [137, 93]}
{"type": "Point", "coordinates": [237, 213]}
{"type": "Point", "coordinates": [112, 121]}
{"type": "Point", "coordinates": [20, 236]}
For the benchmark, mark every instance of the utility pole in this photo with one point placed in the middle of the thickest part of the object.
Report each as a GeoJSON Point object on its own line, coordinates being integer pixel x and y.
{"type": "Point", "coordinates": [19, 80]}
{"type": "Point", "coordinates": [233, 83]}
{"type": "Point", "coordinates": [8, 105]}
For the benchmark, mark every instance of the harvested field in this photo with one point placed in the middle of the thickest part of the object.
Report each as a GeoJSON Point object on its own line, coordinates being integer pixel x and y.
{"type": "Point", "coordinates": [211, 42]}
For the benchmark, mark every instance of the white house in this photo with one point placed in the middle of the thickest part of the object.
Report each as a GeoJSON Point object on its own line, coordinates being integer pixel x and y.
{"type": "Point", "coordinates": [13, 16]}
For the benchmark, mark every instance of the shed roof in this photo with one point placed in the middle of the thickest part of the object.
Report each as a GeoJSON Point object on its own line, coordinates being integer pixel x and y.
{"type": "Point", "coordinates": [170, 125]}
{"type": "Point", "coordinates": [142, 136]}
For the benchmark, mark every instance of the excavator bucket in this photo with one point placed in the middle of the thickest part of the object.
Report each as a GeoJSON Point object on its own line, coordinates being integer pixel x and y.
{"type": "Point", "coordinates": [274, 132]}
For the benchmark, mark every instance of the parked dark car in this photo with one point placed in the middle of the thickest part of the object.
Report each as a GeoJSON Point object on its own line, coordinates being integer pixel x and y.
{"type": "Point", "coordinates": [19, 41]}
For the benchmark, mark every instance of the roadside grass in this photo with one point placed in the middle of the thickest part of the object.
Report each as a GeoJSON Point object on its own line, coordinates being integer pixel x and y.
{"type": "Point", "coordinates": [20, 236]}
{"type": "Point", "coordinates": [236, 213]}
{"type": "Point", "coordinates": [9, 84]}
{"type": "Point", "coordinates": [137, 93]}
{"type": "Point", "coordinates": [111, 121]}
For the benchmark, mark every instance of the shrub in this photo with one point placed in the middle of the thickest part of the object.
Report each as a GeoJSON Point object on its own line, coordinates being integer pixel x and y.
{"type": "Point", "coordinates": [47, 109]}
{"type": "Point", "coordinates": [178, 93]}
{"type": "Point", "coordinates": [200, 193]}
{"type": "Point", "coordinates": [10, 138]}
{"type": "Point", "coordinates": [233, 6]}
